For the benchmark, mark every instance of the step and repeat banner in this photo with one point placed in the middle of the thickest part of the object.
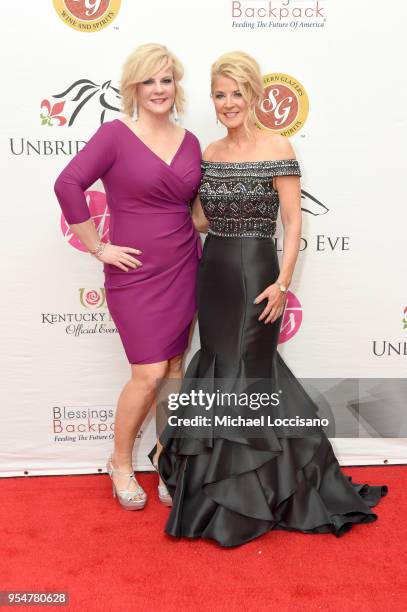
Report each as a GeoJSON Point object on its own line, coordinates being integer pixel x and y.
{"type": "Point", "coordinates": [331, 83]}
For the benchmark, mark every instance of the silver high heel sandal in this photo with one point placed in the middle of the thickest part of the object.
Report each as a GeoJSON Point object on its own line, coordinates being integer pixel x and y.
{"type": "Point", "coordinates": [129, 500]}
{"type": "Point", "coordinates": [163, 493]}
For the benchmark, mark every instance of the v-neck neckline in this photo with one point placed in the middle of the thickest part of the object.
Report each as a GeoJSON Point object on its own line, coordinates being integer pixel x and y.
{"type": "Point", "coordinates": [151, 151]}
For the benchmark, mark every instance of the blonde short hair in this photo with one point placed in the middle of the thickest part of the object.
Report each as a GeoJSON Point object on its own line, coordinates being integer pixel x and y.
{"type": "Point", "coordinates": [145, 61]}
{"type": "Point", "coordinates": [244, 69]}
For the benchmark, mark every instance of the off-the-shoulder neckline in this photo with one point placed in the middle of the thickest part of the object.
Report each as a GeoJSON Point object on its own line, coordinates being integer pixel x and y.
{"type": "Point", "coordinates": [239, 163]}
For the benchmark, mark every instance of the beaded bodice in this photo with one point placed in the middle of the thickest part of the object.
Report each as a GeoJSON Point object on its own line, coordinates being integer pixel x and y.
{"type": "Point", "coordinates": [238, 198]}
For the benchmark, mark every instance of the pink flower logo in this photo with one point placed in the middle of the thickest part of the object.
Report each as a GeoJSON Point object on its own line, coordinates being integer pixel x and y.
{"type": "Point", "coordinates": [99, 212]}
{"type": "Point", "coordinates": [92, 298]}
{"type": "Point", "coordinates": [50, 114]}
{"type": "Point", "coordinates": [292, 318]}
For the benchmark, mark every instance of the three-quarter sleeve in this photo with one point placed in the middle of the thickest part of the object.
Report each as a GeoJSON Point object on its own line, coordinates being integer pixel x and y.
{"type": "Point", "coordinates": [91, 163]}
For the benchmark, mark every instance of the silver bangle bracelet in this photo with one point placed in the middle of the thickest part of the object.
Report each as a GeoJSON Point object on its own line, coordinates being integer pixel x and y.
{"type": "Point", "coordinates": [96, 252]}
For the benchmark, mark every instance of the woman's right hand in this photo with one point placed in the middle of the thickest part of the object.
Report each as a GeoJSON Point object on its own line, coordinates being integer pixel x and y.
{"type": "Point", "coordinates": [120, 257]}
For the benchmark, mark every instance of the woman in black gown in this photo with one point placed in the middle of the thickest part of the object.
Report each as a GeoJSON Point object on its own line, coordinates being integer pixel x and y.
{"type": "Point", "coordinates": [229, 484]}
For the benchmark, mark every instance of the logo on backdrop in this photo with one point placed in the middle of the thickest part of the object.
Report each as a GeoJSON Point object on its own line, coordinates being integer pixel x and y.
{"type": "Point", "coordinates": [96, 320]}
{"type": "Point", "coordinates": [99, 211]}
{"type": "Point", "coordinates": [292, 318]}
{"type": "Point", "coordinates": [284, 108]}
{"type": "Point", "coordinates": [83, 424]}
{"type": "Point", "coordinates": [82, 97]}
{"type": "Point", "coordinates": [87, 15]}
{"type": "Point", "coordinates": [320, 243]}
{"type": "Point", "coordinates": [92, 298]}
{"type": "Point", "coordinates": [290, 14]}
{"type": "Point", "coordinates": [81, 94]}
{"type": "Point", "coordinates": [50, 113]}
{"type": "Point", "coordinates": [393, 348]}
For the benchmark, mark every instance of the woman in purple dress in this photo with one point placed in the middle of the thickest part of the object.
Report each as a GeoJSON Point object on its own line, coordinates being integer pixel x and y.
{"type": "Point", "coordinates": [150, 169]}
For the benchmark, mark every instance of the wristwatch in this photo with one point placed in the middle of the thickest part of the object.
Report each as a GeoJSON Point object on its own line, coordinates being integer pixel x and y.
{"type": "Point", "coordinates": [282, 287]}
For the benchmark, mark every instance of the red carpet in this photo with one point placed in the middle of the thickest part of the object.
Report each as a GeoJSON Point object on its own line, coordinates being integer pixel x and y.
{"type": "Point", "coordinates": [67, 533]}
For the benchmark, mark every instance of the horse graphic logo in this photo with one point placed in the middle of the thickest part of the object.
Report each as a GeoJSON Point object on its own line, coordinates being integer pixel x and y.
{"type": "Point", "coordinates": [82, 92]}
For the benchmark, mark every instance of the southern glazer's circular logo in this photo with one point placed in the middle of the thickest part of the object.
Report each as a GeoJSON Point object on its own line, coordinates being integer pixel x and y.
{"type": "Point", "coordinates": [284, 108]}
{"type": "Point", "coordinates": [87, 15]}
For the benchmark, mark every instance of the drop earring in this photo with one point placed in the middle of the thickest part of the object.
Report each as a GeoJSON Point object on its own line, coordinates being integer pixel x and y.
{"type": "Point", "coordinates": [175, 113]}
{"type": "Point", "coordinates": [134, 116]}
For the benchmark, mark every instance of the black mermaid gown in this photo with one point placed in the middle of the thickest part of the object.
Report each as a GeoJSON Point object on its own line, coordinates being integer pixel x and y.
{"type": "Point", "coordinates": [232, 485]}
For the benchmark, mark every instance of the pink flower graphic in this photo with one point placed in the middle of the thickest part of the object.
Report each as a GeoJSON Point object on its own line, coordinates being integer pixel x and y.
{"type": "Point", "coordinates": [49, 113]}
{"type": "Point", "coordinates": [92, 297]}
{"type": "Point", "coordinates": [292, 318]}
{"type": "Point", "coordinates": [99, 212]}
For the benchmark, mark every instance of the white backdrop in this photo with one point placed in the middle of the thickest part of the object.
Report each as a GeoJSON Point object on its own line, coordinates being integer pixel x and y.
{"type": "Point", "coordinates": [62, 369]}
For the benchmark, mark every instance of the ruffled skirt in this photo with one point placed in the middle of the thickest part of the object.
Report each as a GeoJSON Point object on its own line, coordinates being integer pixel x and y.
{"type": "Point", "coordinates": [233, 484]}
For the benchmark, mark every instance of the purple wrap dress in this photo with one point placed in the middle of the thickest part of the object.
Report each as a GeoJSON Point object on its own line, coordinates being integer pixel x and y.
{"type": "Point", "coordinates": [152, 305]}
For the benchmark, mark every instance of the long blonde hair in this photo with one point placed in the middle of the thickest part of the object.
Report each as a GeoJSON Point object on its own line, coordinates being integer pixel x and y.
{"type": "Point", "coordinates": [141, 64]}
{"type": "Point", "coordinates": [244, 69]}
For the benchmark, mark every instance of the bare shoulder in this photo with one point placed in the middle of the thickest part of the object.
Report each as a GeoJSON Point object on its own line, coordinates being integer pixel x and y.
{"type": "Point", "coordinates": [212, 150]}
{"type": "Point", "coordinates": [276, 146]}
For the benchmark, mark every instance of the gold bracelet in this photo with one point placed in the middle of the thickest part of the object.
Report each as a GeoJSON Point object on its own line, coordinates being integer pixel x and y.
{"type": "Point", "coordinates": [283, 288]}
